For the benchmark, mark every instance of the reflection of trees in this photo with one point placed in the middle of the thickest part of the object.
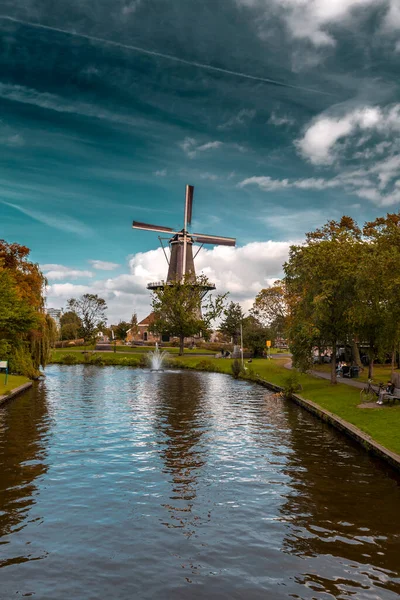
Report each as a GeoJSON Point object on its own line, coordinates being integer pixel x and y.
{"type": "Point", "coordinates": [24, 425]}
{"type": "Point", "coordinates": [180, 417]}
{"type": "Point", "coordinates": [342, 504]}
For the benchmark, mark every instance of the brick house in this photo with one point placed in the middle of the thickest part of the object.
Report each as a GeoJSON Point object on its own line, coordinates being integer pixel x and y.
{"type": "Point", "coordinates": [143, 334]}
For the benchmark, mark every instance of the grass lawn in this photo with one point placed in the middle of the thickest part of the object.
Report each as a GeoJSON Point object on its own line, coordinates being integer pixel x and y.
{"type": "Point", "coordinates": [381, 423]}
{"type": "Point", "coordinates": [13, 382]}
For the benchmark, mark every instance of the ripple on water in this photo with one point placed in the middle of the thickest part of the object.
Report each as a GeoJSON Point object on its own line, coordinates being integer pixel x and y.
{"type": "Point", "coordinates": [125, 484]}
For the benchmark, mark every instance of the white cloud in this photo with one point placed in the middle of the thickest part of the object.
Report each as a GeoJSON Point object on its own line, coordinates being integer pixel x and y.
{"type": "Point", "coordinates": [268, 184]}
{"type": "Point", "coordinates": [55, 272]}
{"type": "Point", "coordinates": [131, 7]}
{"type": "Point", "coordinates": [320, 138]}
{"type": "Point", "coordinates": [242, 271]}
{"type": "Point", "coordinates": [311, 19]}
{"type": "Point", "coordinates": [56, 221]}
{"type": "Point", "coordinates": [278, 121]}
{"type": "Point", "coordinates": [209, 176]}
{"type": "Point", "coordinates": [243, 116]}
{"type": "Point", "coordinates": [24, 95]}
{"type": "Point", "coordinates": [161, 173]}
{"type": "Point", "coordinates": [103, 265]}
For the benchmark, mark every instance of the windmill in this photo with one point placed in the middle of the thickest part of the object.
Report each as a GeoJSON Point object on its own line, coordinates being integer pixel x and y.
{"type": "Point", "coordinates": [181, 261]}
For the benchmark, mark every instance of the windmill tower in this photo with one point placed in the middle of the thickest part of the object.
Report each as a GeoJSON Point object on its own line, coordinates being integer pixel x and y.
{"type": "Point", "coordinates": [181, 261]}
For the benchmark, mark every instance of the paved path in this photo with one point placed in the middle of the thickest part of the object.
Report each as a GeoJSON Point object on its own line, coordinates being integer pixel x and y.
{"type": "Point", "coordinates": [322, 375]}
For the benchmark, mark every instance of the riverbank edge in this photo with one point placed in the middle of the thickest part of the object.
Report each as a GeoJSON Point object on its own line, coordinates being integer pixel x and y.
{"type": "Point", "coordinates": [366, 441]}
{"type": "Point", "coordinates": [15, 392]}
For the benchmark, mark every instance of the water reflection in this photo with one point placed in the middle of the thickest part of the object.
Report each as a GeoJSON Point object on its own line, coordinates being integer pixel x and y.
{"type": "Point", "coordinates": [180, 413]}
{"type": "Point", "coordinates": [183, 486]}
{"type": "Point", "coordinates": [24, 436]}
{"type": "Point", "coordinates": [337, 515]}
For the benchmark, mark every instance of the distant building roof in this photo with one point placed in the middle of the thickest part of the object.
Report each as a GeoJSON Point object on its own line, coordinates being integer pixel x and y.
{"type": "Point", "coordinates": [147, 320]}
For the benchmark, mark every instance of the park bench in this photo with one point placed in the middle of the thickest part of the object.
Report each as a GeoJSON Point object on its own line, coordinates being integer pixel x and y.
{"type": "Point", "coordinates": [387, 396]}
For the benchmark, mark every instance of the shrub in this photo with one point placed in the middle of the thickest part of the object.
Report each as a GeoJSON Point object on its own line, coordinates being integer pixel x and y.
{"type": "Point", "coordinates": [206, 365]}
{"type": "Point", "coordinates": [236, 368]}
{"type": "Point", "coordinates": [291, 386]}
{"type": "Point", "coordinates": [68, 359]}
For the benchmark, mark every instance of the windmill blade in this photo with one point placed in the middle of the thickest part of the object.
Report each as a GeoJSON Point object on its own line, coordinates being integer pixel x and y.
{"type": "Point", "coordinates": [148, 227]}
{"type": "Point", "coordinates": [213, 239]}
{"type": "Point", "coordinates": [189, 204]}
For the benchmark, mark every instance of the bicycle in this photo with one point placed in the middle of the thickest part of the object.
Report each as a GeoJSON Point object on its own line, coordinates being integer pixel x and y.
{"type": "Point", "coordinates": [369, 393]}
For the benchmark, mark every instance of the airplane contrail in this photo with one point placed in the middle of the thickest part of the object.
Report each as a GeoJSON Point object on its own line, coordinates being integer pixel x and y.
{"type": "Point", "coordinates": [170, 57]}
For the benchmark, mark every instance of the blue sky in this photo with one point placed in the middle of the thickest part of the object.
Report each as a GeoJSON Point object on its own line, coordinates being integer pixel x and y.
{"type": "Point", "coordinates": [281, 114]}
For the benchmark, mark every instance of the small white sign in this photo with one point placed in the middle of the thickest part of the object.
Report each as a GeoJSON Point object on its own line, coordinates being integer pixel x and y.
{"type": "Point", "coordinates": [3, 364]}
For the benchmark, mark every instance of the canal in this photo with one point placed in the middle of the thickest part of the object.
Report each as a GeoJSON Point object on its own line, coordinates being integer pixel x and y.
{"type": "Point", "coordinates": [126, 484]}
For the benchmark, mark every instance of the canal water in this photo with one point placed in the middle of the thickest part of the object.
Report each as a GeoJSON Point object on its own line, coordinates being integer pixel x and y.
{"type": "Point", "coordinates": [124, 484]}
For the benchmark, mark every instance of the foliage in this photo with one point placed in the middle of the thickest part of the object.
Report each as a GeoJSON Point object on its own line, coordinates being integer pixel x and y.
{"type": "Point", "coordinates": [26, 332]}
{"type": "Point", "coordinates": [270, 309]}
{"type": "Point", "coordinates": [320, 289]}
{"type": "Point", "coordinates": [121, 330]}
{"type": "Point", "coordinates": [236, 368]}
{"type": "Point", "coordinates": [70, 325]}
{"type": "Point", "coordinates": [291, 385]}
{"type": "Point", "coordinates": [255, 335]}
{"type": "Point", "coordinates": [180, 309]}
{"type": "Point", "coordinates": [90, 309]}
{"type": "Point", "coordinates": [230, 325]}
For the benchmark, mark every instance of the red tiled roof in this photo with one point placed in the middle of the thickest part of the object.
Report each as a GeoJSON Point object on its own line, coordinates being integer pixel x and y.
{"type": "Point", "coordinates": [147, 320]}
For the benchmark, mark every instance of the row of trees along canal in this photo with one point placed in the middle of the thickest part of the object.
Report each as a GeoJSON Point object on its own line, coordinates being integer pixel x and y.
{"type": "Point", "coordinates": [342, 287]}
{"type": "Point", "coordinates": [26, 332]}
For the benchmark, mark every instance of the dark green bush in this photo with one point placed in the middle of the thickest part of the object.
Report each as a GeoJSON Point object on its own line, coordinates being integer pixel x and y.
{"type": "Point", "coordinates": [236, 368]}
{"type": "Point", "coordinates": [291, 385]}
{"type": "Point", "coordinates": [69, 359]}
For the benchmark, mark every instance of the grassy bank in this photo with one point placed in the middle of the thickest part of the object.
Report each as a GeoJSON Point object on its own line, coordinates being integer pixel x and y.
{"type": "Point", "coordinates": [13, 382]}
{"type": "Point", "coordinates": [381, 423]}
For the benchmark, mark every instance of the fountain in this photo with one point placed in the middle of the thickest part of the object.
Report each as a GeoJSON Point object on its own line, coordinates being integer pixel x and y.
{"type": "Point", "coordinates": [157, 358]}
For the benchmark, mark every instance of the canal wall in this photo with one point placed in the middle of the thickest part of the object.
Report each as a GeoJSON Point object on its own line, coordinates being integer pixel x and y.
{"type": "Point", "coordinates": [15, 392]}
{"type": "Point", "coordinates": [345, 427]}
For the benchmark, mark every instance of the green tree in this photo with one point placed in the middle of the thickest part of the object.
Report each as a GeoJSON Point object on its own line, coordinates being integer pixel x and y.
{"type": "Point", "coordinates": [181, 310]}
{"type": "Point", "coordinates": [121, 330]}
{"type": "Point", "coordinates": [27, 333]}
{"type": "Point", "coordinates": [232, 318]}
{"type": "Point", "coordinates": [255, 334]}
{"type": "Point", "coordinates": [271, 310]}
{"type": "Point", "coordinates": [320, 289]}
{"type": "Point", "coordinates": [91, 310]}
{"type": "Point", "coordinates": [70, 325]}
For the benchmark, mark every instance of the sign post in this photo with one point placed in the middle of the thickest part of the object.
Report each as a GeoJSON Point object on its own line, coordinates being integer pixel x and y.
{"type": "Point", "coordinates": [4, 365]}
{"type": "Point", "coordinates": [268, 344]}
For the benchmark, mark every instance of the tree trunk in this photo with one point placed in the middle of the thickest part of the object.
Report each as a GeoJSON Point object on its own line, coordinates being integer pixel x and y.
{"type": "Point", "coordinates": [356, 353]}
{"type": "Point", "coordinates": [393, 364]}
{"type": "Point", "coordinates": [181, 344]}
{"type": "Point", "coordinates": [371, 368]}
{"type": "Point", "coordinates": [333, 364]}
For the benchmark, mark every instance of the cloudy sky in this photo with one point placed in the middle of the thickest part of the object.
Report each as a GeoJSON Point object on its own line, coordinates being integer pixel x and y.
{"type": "Point", "coordinates": [281, 113]}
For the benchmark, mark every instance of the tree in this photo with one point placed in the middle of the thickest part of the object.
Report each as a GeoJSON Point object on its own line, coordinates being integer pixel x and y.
{"type": "Point", "coordinates": [255, 334]}
{"type": "Point", "coordinates": [70, 325]}
{"type": "Point", "coordinates": [320, 284]}
{"type": "Point", "coordinates": [270, 308]}
{"type": "Point", "coordinates": [233, 317]}
{"type": "Point", "coordinates": [121, 330]}
{"type": "Point", "coordinates": [27, 333]}
{"type": "Point", "coordinates": [91, 311]}
{"type": "Point", "coordinates": [180, 309]}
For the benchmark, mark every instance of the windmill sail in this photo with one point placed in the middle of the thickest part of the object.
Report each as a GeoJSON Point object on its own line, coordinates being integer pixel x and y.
{"type": "Point", "coordinates": [202, 238]}
{"type": "Point", "coordinates": [189, 204]}
{"type": "Point", "coordinates": [148, 227]}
